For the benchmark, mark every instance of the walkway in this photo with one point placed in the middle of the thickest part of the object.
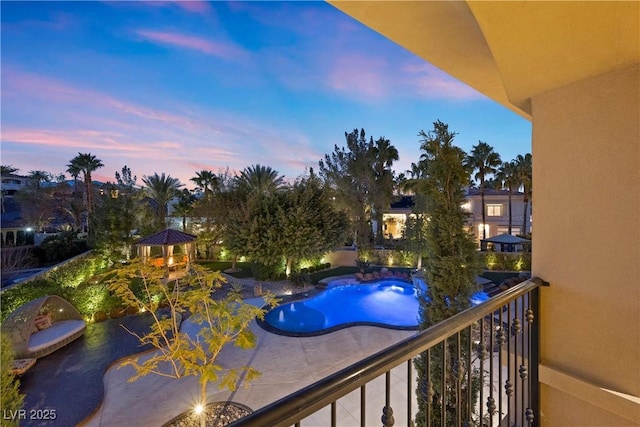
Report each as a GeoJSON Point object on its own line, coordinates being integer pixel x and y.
{"type": "Point", "coordinates": [69, 381]}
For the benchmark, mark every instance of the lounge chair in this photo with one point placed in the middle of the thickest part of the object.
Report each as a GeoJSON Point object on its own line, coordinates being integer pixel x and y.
{"type": "Point", "coordinates": [42, 326]}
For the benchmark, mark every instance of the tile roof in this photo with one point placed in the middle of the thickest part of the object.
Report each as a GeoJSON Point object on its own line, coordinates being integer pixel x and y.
{"type": "Point", "coordinates": [166, 237]}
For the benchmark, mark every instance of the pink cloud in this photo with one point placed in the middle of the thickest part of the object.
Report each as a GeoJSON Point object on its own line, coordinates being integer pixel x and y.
{"type": "Point", "coordinates": [431, 82]}
{"type": "Point", "coordinates": [359, 74]}
{"type": "Point", "coordinates": [80, 139]}
{"type": "Point", "coordinates": [227, 51]}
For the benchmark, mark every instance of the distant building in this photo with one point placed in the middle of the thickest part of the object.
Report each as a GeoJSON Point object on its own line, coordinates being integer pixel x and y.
{"type": "Point", "coordinates": [12, 183]}
{"type": "Point", "coordinates": [496, 214]}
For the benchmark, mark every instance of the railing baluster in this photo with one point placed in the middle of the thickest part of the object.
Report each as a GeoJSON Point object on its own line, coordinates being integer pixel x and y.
{"type": "Point", "coordinates": [363, 406]}
{"type": "Point", "coordinates": [409, 391]}
{"type": "Point", "coordinates": [516, 328]}
{"type": "Point", "coordinates": [387, 412]}
{"type": "Point", "coordinates": [523, 368]}
{"type": "Point", "coordinates": [530, 318]}
{"type": "Point", "coordinates": [508, 386]}
{"type": "Point", "coordinates": [480, 351]}
{"type": "Point", "coordinates": [469, 373]}
{"type": "Point", "coordinates": [443, 388]}
{"type": "Point", "coordinates": [501, 339]}
{"type": "Point", "coordinates": [333, 414]}
{"type": "Point", "coordinates": [491, 402]}
{"type": "Point", "coordinates": [429, 386]}
{"type": "Point", "coordinates": [458, 381]}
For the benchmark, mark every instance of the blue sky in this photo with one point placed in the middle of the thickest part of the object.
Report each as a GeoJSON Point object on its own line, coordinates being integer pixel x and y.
{"type": "Point", "coordinates": [177, 87]}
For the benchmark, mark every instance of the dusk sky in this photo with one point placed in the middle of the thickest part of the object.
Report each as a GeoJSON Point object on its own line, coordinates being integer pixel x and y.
{"type": "Point", "coordinates": [178, 87]}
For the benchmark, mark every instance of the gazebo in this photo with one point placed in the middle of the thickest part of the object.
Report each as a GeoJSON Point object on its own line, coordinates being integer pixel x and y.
{"type": "Point", "coordinates": [167, 240]}
{"type": "Point", "coordinates": [506, 242]}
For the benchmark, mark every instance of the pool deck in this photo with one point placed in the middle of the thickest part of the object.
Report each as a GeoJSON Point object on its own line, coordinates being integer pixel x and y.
{"type": "Point", "coordinates": [287, 364]}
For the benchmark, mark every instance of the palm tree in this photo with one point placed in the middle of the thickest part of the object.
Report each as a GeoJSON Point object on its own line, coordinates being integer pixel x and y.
{"type": "Point", "coordinates": [525, 172]}
{"type": "Point", "coordinates": [39, 177]}
{"type": "Point", "coordinates": [485, 161]}
{"type": "Point", "coordinates": [85, 163]}
{"type": "Point", "coordinates": [184, 206]}
{"type": "Point", "coordinates": [507, 177]}
{"type": "Point", "coordinates": [257, 179]}
{"type": "Point", "coordinates": [74, 170]}
{"type": "Point", "coordinates": [207, 181]}
{"type": "Point", "coordinates": [161, 189]}
{"type": "Point", "coordinates": [7, 169]}
{"type": "Point", "coordinates": [384, 154]}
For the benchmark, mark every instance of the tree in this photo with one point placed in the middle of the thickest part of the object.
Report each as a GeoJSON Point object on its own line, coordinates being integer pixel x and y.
{"type": "Point", "coordinates": [349, 173]}
{"type": "Point", "coordinates": [384, 155]}
{"type": "Point", "coordinates": [310, 224]}
{"type": "Point", "coordinates": [207, 181]}
{"type": "Point", "coordinates": [525, 175]}
{"type": "Point", "coordinates": [114, 222]}
{"type": "Point", "coordinates": [38, 205]}
{"type": "Point", "coordinates": [10, 398]}
{"type": "Point", "coordinates": [257, 179]}
{"type": "Point", "coordinates": [184, 206]}
{"type": "Point", "coordinates": [484, 160]}
{"type": "Point", "coordinates": [8, 169]}
{"type": "Point", "coordinates": [295, 223]}
{"type": "Point", "coordinates": [507, 177]}
{"type": "Point", "coordinates": [38, 177]}
{"type": "Point", "coordinates": [86, 163]}
{"type": "Point", "coordinates": [450, 267]}
{"type": "Point", "coordinates": [222, 322]}
{"type": "Point", "coordinates": [74, 170]}
{"type": "Point", "coordinates": [161, 189]}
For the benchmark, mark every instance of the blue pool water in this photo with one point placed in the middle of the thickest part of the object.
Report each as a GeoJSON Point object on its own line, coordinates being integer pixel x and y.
{"type": "Point", "coordinates": [388, 303]}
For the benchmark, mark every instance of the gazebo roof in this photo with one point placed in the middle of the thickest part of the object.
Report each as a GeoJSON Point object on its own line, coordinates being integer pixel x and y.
{"type": "Point", "coordinates": [506, 239]}
{"type": "Point", "coordinates": [166, 237]}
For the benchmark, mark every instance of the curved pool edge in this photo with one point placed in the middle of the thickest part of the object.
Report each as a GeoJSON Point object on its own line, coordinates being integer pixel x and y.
{"type": "Point", "coordinates": [269, 328]}
{"type": "Point", "coordinates": [322, 286]}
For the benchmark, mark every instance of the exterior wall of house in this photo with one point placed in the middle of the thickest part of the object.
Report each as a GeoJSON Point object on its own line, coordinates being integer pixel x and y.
{"type": "Point", "coordinates": [11, 184]}
{"type": "Point", "coordinates": [496, 218]}
{"type": "Point", "coordinates": [497, 213]}
{"type": "Point", "coordinates": [586, 142]}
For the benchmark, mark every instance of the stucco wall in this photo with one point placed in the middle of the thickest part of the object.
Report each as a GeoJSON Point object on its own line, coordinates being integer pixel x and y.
{"type": "Point", "coordinates": [586, 171]}
{"type": "Point", "coordinates": [342, 258]}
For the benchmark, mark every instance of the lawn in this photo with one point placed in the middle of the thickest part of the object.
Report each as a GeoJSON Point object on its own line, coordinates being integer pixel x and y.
{"type": "Point", "coordinates": [245, 268]}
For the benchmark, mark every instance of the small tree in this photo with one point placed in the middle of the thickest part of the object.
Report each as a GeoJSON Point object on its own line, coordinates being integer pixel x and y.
{"type": "Point", "coordinates": [224, 321]}
{"type": "Point", "coordinates": [10, 397]}
{"type": "Point", "coordinates": [450, 270]}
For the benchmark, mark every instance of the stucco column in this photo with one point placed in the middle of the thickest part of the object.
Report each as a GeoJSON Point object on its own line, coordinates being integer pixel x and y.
{"type": "Point", "coordinates": [586, 243]}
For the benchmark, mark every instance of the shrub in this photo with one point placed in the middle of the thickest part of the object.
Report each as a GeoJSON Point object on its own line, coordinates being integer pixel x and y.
{"type": "Point", "coordinates": [63, 281]}
{"type": "Point", "coordinates": [10, 398]}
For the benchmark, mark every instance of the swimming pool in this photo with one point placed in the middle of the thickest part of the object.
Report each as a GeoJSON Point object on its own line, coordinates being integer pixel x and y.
{"type": "Point", "coordinates": [389, 303]}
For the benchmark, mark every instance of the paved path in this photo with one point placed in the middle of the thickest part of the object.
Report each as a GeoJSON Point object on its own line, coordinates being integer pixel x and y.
{"type": "Point", "coordinates": [69, 380]}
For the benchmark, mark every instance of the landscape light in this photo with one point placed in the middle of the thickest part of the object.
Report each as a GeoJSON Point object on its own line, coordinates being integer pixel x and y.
{"type": "Point", "coordinates": [198, 409]}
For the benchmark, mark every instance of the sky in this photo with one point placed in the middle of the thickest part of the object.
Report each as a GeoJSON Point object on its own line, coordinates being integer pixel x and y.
{"type": "Point", "coordinates": [177, 87]}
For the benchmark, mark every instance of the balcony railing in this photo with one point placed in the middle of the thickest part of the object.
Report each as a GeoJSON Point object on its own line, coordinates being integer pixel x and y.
{"type": "Point", "coordinates": [481, 363]}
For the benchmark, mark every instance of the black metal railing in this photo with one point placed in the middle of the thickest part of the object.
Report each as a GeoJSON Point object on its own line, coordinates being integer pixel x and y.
{"type": "Point", "coordinates": [478, 368]}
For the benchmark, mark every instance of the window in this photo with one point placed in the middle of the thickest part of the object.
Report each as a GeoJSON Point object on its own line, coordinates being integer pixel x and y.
{"type": "Point", "coordinates": [494, 210]}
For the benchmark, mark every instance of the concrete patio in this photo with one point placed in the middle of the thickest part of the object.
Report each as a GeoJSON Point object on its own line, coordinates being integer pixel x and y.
{"type": "Point", "coordinates": [287, 364]}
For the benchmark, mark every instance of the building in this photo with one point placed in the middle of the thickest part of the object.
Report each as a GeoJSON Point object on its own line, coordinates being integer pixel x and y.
{"type": "Point", "coordinates": [496, 206]}
{"type": "Point", "coordinates": [573, 69]}
{"type": "Point", "coordinates": [496, 214]}
{"type": "Point", "coordinates": [12, 183]}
